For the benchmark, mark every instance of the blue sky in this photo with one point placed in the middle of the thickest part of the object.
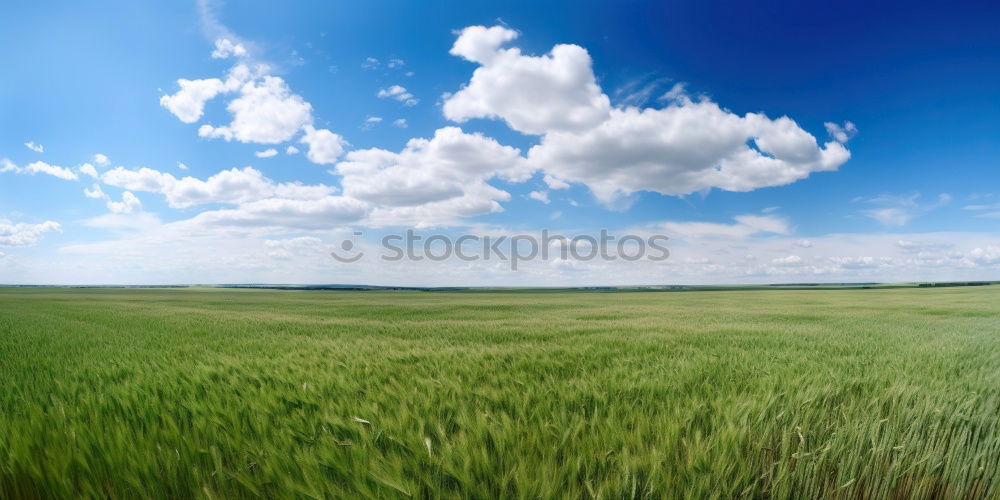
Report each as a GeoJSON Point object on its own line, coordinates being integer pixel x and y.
{"type": "Point", "coordinates": [771, 142]}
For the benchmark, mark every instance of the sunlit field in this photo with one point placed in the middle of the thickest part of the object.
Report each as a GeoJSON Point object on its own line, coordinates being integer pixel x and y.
{"type": "Point", "coordinates": [253, 393]}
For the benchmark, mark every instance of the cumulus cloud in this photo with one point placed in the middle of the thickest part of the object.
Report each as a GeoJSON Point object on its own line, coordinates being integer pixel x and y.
{"type": "Point", "coordinates": [432, 180]}
{"type": "Point", "coordinates": [88, 169]}
{"type": "Point", "coordinates": [266, 112]}
{"type": "Point", "coordinates": [234, 186]}
{"type": "Point", "coordinates": [988, 256]}
{"type": "Point", "coordinates": [685, 147]}
{"type": "Point", "coordinates": [400, 123]}
{"type": "Point", "coordinates": [398, 93]}
{"type": "Point", "coordinates": [291, 150]}
{"type": "Point", "coordinates": [21, 234]}
{"type": "Point", "coordinates": [256, 201]}
{"type": "Point", "coordinates": [38, 148]}
{"type": "Point", "coordinates": [101, 160]}
{"type": "Point", "coordinates": [267, 153]}
{"type": "Point", "coordinates": [324, 146]}
{"type": "Point", "coordinates": [95, 192]}
{"type": "Point", "coordinates": [129, 204]}
{"type": "Point", "coordinates": [542, 196]}
{"type": "Point", "coordinates": [38, 167]}
{"type": "Point", "coordinates": [225, 48]}
{"type": "Point", "coordinates": [534, 95]}
{"type": "Point", "coordinates": [188, 103]}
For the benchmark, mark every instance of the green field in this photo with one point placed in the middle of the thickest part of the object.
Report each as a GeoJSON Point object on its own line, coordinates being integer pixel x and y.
{"type": "Point", "coordinates": [254, 393]}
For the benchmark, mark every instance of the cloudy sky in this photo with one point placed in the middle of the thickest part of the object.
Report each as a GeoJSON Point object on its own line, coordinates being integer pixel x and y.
{"type": "Point", "coordinates": [242, 142]}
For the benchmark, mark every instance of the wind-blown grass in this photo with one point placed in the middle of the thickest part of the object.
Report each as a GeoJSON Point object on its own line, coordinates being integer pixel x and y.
{"type": "Point", "coordinates": [244, 393]}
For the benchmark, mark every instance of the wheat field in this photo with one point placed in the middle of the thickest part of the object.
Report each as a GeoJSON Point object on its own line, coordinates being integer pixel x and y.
{"type": "Point", "coordinates": [223, 393]}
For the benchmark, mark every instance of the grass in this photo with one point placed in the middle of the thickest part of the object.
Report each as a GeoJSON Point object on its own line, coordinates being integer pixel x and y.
{"type": "Point", "coordinates": [251, 393]}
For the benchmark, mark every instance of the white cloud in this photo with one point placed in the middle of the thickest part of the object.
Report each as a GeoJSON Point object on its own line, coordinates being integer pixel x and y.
{"type": "Point", "coordinates": [481, 44]}
{"type": "Point", "coordinates": [88, 169]}
{"type": "Point", "coordinates": [555, 183]}
{"type": "Point", "coordinates": [891, 216]}
{"type": "Point", "coordinates": [101, 160]}
{"type": "Point", "coordinates": [542, 196]}
{"type": "Point", "coordinates": [21, 234]}
{"type": "Point", "coordinates": [234, 186]}
{"type": "Point", "coordinates": [188, 104]}
{"type": "Point", "coordinates": [258, 202]}
{"type": "Point", "coordinates": [841, 133]}
{"type": "Point", "coordinates": [637, 92]}
{"type": "Point", "coordinates": [266, 112]}
{"type": "Point", "coordinates": [432, 180]}
{"type": "Point", "coordinates": [286, 214]}
{"type": "Point", "coordinates": [895, 210]}
{"type": "Point", "coordinates": [395, 63]}
{"type": "Point", "coordinates": [128, 204]}
{"type": "Point", "coordinates": [324, 146]}
{"type": "Point", "coordinates": [676, 92]}
{"type": "Point", "coordinates": [38, 148]}
{"type": "Point", "coordinates": [290, 247]}
{"type": "Point", "coordinates": [95, 192]}
{"type": "Point", "coordinates": [989, 211]}
{"type": "Point", "coordinates": [764, 223]}
{"type": "Point", "coordinates": [225, 48]}
{"type": "Point", "coordinates": [38, 167]}
{"type": "Point", "coordinates": [398, 93]}
{"type": "Point", "coordinates": [400, 123]}
{"type": "Point", "coordinates": [988, 256]}
{"type": "Point", "coordinates": [370, 122]}
{"type": "Point", "coordinates": [182, 166]}
{"type": "Point", "coordinates": [132, 222]}
{"type": "Point", "coordinates": [685, 147]}
{"type": "Point", "coordinates": [267, 153]}
{"type": "Point", "coordinates": [789, 260]}
{"type": "Point", "coordinates": [370, 63]}
{"type": "Point", "coordinates": [53, 170]}
{"type": "Point", "coordinates": [991, 206]}
{"type": "Point", "coordinates": [860, 262]}
{"type": "Point", "coordinates": [291, 150]}
{"type": "Point", "coordinates": [534, 95]}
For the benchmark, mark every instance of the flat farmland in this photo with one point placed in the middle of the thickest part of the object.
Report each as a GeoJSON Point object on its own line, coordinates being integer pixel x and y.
{"type": "Point", "coordinates": [223, 393]}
